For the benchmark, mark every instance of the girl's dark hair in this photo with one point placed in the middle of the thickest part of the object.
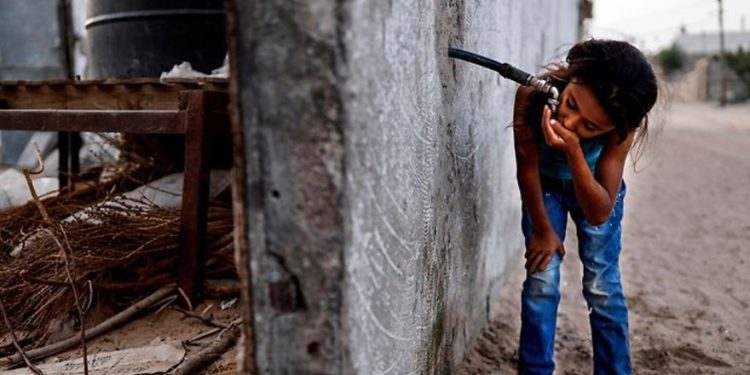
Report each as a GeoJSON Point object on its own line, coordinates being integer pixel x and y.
{"type": "Point", "coordinates": [621, 78]}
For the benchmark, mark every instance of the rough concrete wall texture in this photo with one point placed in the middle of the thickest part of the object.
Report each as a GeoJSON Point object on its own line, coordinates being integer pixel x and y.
{"type": "Point", "coordinates": [290, 110]}
{"type": "Point", "coordinates": [382, 203]}
{"type": "Point", "coordinates": [434, 211]}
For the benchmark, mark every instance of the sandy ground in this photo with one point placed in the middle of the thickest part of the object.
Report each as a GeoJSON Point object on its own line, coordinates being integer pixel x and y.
{"type": "Point", "coordinates": [163, 326]}
{"type": "Point", "coordinates": [685, 259]}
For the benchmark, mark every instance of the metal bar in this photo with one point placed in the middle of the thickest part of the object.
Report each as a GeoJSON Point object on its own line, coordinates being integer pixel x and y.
{"type": "Point", "coordinates": [63, 170]}
{"type": "Point", "coordinates": [69, 147]}
{"type": "Point", "coordinates": [75, 160]}
{"type": "Point", "coordinates": [67, 36]}
{"type": "Point", "coordinates": [122, 94]}
{"type": "Point", "coordinates": [194, 195]}
{"type": "Point", "coordinates": [145, 122]}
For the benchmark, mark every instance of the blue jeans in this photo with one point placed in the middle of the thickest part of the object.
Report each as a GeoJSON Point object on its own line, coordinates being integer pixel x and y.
{"type": "Point", "coordinates": [599, 250]}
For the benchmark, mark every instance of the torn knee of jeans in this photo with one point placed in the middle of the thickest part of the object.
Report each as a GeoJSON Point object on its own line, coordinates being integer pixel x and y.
{"type": "Point", "coordinates": [595, 296]}
{"type": "Point", "coordinates": [602, 232]}
{"type": "Point", "coordinates": [540, 285]}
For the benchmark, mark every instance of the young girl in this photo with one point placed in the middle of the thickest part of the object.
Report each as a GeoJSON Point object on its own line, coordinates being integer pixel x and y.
{"type": "Point", "coordinates": [572, 163]}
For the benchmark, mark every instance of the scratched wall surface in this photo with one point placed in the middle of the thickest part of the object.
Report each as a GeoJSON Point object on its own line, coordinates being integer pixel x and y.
{"type": "Point", "coordinates": [381, 197]}
{"type": "Point", "coordinates": [434, 210]}
{"type": "Point", "coordinates": [290, 104]}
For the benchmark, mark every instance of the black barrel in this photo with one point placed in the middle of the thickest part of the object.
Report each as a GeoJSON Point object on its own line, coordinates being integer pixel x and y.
{"type": "Point", "coordinates": [142, 38]}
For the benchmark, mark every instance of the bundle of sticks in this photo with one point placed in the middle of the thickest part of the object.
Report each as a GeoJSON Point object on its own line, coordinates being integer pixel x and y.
{"type": "Point", "coordinates": [67, 262]}
{"type": "Point", "coordinates": [128, 250]}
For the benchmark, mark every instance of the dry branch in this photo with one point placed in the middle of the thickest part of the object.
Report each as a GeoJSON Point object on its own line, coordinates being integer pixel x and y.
{"type": "Point", "coordinates": [222, 288]}
{"type": "Point", "coordinates": [114, 250]}
{"type": "Point", "coordinates": [121, 318]}
{"type": "Point", "coordinates": [68, 263]}
{"type": "Point", "coordinates": [208, 355]}
{"type": "Point", "coordinates": [13, 337]}
{"type": "Point", "coordinates": [206, 320]}
{"type": "Point", "coordinates": [121, 250]}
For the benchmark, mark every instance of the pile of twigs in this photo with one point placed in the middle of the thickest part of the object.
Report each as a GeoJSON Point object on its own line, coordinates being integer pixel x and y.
{"type": "Point", "coordinates": [124, 248]}
{"type": "Point", "coordinates": [16, 223]}
{"type": "Point", "coordinates": [78, 251]}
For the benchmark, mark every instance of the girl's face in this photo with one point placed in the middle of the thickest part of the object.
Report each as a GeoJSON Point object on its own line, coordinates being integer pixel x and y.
{"type": "Point", "coordinates": [579, 111]}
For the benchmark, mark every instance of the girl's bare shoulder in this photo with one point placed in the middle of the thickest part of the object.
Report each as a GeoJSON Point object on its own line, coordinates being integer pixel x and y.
{"type": "Point", "coordinates": [615, 148]}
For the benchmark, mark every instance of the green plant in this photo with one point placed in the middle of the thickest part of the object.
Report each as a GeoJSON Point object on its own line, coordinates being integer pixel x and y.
{"type": "Point", "coordinates": [739, 63]}
{"type": "Point", "coordinates": [671, 59]}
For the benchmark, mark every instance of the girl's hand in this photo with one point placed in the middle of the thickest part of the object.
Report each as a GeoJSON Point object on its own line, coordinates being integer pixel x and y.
{"type": "Point", "coordinates": [556, 135]}
{"type": "Point", "coordinates": [541, 249]}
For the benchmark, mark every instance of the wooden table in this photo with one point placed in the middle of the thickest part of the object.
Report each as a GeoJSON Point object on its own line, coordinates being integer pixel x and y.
{"type": "Point", "coordinates": [197, 109]}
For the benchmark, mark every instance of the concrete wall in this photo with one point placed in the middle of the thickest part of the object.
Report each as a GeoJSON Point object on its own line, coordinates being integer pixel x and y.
{"type": "Point", "coordinates": [380, 197]}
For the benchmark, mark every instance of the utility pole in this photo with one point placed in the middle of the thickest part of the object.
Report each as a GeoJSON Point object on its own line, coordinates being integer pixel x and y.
{"type": "Point", "coordinates": [722, 67]}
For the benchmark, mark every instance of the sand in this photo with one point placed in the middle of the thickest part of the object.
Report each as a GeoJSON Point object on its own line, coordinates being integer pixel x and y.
{"type": "Point", "coordinates": [164, 326]}
{"type": "Point", "coordinates": [685, 259]}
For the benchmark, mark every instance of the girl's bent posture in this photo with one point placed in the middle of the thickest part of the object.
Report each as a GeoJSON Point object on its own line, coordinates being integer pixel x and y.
{"type": "Point", "coordinates": [573, 163]}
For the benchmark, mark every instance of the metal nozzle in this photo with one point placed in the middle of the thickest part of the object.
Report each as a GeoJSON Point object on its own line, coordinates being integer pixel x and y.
{"type": "Point", "coordinates": [547, 88]}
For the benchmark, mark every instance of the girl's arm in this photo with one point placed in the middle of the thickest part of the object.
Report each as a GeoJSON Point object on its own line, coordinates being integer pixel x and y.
{"type": "Point", "coordinates": [527, 163]}
{"type": "Point", "coordinates": [544, 241]}
{"type": "Point", "coordinates": [597, 193]}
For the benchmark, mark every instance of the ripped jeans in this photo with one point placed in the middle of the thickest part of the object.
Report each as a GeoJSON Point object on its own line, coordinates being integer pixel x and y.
{"type": "Point", "coordinates": [599, 250]}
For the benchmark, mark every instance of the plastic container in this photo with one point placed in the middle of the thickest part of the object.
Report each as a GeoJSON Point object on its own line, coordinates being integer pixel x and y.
{"type": "Point", "coordinates": [143, 38]}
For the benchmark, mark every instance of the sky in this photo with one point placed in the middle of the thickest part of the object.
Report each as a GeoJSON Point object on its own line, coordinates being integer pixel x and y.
{"type": "Point", "coordinates": [653, 24]}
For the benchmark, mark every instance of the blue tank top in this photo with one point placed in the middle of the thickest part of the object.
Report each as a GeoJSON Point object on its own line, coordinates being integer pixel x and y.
{"type": "Point", "coordinates": [553, 163]}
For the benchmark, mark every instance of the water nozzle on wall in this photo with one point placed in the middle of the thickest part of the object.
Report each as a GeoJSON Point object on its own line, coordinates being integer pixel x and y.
{"type": "Point", "coordinates": [511, 72]}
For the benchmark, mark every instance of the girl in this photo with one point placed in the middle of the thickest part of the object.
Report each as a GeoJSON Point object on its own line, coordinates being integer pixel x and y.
{"type": "Point", "coordinates": [573, 163]}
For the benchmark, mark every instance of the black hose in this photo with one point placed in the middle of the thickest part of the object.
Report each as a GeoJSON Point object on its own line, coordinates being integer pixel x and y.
{"type": "Point", "coordinates": [506, 70]}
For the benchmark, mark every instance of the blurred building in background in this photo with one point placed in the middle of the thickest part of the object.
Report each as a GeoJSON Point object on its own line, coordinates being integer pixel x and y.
{"type": "Point", "coordinates": [701, 80]}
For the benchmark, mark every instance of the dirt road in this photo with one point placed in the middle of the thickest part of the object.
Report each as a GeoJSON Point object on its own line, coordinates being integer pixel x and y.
{"type": "Point", "coordinates": [685, 259]}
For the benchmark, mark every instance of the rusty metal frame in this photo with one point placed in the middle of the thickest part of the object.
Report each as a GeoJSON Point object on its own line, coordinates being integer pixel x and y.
{"type": "Point", "coordinates": [199, 116]}
{"type": "Point", "coordinates": [131, 121]}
